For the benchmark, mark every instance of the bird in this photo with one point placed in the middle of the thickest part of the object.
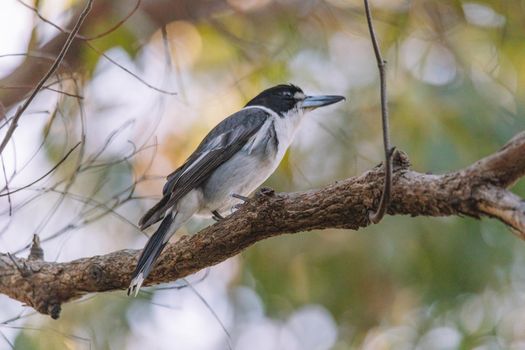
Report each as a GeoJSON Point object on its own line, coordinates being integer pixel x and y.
{"type": "Point", "coordinates": [231, 162]}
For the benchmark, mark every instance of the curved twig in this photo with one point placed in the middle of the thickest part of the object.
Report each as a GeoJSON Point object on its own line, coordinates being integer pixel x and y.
{"type": "Point", "coordinates": [44, 175]}
{"type": "Point", "coordinates": [376, 216]}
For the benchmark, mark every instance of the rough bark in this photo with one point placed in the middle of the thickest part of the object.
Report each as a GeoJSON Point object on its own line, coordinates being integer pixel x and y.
{"type": "Point", "coordinates": [478, 190]}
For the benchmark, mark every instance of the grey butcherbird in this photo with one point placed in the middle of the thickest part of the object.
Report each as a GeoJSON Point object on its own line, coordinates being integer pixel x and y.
{"type": "Point", "coordinates": [235, 158]}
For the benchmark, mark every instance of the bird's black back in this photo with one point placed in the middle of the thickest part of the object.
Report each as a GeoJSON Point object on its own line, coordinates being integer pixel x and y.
{"type": "Point", "coordinates": [221, 143]}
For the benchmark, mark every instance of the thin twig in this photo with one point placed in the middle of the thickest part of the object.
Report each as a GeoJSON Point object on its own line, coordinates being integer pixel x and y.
{"type": "Point", "coordinates": [46, 87]}
{"type": "Point", "coordinates": [7, 186]}
{"type": "Point", "coordinates": [116, 26]}
{"type": "Point", "coordinates": [99, 52]}
{"type": "Point", "coordinates": [6, 339]}
{"type": "Point", "coordinates": [213, 313]}
{"type": "Point", "coordinates": [376, 216]}
{"type": "Point", "coordinates": [43, 176]}
{"type": "Point", "coordinates": [22, 271]}
{"type": "Point", "coordinates": [49, 73]}
{"type": "Point", "coordinates": [96, 36]}
{"type": "Point", "coordinates": [127, 70]}
{"type": "Point", "coordinates": [71, 336]}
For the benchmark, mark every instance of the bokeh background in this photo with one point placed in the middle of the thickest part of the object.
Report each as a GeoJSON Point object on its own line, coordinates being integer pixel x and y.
{"type": "Point", "coordinates": [456, 81]}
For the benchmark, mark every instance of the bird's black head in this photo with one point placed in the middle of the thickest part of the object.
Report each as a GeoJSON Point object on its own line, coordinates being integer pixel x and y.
{"type": "Point", "coordinates": [280, 98]}
{"type": "Point", "coordinates": [284, 98]}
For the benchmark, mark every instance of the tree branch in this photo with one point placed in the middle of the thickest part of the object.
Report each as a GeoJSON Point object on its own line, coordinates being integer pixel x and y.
{"type": "Point", "coordinates": [475, 191]}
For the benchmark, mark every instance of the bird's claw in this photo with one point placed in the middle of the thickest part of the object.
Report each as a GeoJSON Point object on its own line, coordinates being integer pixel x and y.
{"type": "Point", "coordinates": [242, 198]}
{"type": "Point", "coordinates": [216, 216]}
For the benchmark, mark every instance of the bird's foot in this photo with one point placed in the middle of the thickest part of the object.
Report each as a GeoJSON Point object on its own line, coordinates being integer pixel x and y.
{"type": "Point", "coordinates": [237, 206]}
{"type": "Point", "coordinates": [267, 191]}
{"type": "Point", "coordinates": [216, 216]}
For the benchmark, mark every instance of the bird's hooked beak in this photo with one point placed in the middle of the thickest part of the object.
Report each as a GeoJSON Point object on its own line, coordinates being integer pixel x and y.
{"type": "Point", "coordinates": [312, 102]}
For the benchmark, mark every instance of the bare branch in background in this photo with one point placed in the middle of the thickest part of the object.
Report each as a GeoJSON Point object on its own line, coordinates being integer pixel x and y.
{"type": "Point", "coordinates": [158, 13]}
{"type": "Point", "coordinates": [99, 52]}
{"type": "Point", "coordinates": [50, 72]}
{"type": "Point", "coordinates": [476, 191]}
{"type": "Point", "coordinates": [78, 36]}
{"type": "Point", "coordinates": [376, 216]}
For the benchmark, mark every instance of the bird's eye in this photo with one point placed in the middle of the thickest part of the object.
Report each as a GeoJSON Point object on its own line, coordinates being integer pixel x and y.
{"type": "Point", "coordinates": [287, 94]}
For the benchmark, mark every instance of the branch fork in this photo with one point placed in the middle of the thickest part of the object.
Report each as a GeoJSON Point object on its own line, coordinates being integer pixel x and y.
{"type": "Point", "coordinates": [376, 216]}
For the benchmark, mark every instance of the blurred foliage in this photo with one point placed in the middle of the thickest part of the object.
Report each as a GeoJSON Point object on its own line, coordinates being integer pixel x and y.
{"type": "Point", "coordinates": [456, 83]}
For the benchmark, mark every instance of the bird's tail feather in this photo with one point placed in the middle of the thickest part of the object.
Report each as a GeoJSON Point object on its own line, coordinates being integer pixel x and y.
{"type": "Point", "coordinates": [150, 253]}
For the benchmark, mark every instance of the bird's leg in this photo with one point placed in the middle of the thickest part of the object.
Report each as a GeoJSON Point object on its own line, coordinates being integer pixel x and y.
{"type": "Point", "coordinates": [216, 216]}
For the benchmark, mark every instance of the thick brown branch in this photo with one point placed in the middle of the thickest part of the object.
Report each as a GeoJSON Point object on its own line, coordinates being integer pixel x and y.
{"type": "Point", "coordinates": [504, 167]}
{"type": "Point", "coordinates": [472, 191]}
{"type": "Point", "coordinates": [504, 206]}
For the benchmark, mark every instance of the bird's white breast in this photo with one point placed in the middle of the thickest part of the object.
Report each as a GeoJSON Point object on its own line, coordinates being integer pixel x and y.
{"type": "Point", "coordinates": [285, 127]}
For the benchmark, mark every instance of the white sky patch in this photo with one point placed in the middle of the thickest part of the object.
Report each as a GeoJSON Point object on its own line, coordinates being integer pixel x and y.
{"type": "Point", "coordinates": [15, 29]}
{"type": "Point", "coordinates": [441, 338]}
{"type": "Point", "coordinates": [428, 61]}
{"type": "Point", "coordinates": [184, 321]}
{"type": "Point", "coordinates": [493, 90]}
{"type": "Point", "coordinates": [482, 15]}
{"type": "Point", "coordinates": [55, 11]}
{"type": "Point", "coordinates": [309, 328]}
{"type": "Point", "coordinates": [314, 327]}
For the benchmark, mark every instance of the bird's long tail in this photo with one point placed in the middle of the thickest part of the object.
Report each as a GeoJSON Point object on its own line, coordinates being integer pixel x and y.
{"type": "Point", "coordinates": [150, 253]}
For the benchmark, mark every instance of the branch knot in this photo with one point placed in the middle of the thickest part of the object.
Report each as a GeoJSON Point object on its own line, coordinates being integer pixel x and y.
{"type": "Point", "coordinates": [36, 252]}
{"type": "Point", "coordinates": [96, 273]}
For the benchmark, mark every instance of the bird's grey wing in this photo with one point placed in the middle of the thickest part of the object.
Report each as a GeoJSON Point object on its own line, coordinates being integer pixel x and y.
{"type": "Point", "coordinates": [218, 146]}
